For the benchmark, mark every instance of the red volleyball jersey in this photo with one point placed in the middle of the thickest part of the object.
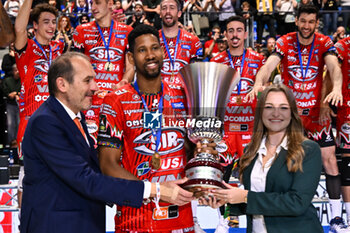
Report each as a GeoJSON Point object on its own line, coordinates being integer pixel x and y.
{"type": "Point", "coordinates": [239, 117]}
{"type": "Point", "coordinates": [307, 90]}
{"type": "Point", "coordinates": [87, 38]}
{"type": "Point", "coordinates": [122, 126]}
{"type": "Point", "coordinates": [33, 66]}
{"type": "Point", "coordinates": [189, 47]}
{"type": "Point", "coordinates": [343, 113]}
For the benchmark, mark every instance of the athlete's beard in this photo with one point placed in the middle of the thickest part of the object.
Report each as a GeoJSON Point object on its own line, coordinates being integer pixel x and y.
{"type": "Point", "coordinates": [150, 75]}
{"type": "Point", "coordinates": [306, 37]}
{"type": "Point", "coordinates": [168, 25]}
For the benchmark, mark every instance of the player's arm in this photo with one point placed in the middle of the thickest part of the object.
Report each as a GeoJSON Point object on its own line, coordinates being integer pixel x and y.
{"type": "Point", "coordinates": [335, 96]}
{"type": "Point", "coordinates": [110, 160]}
{"type": "Point", "coordinates": [325, 111]}
{"type": "Point", "coordinates": [21, 24]}
{"type": "Point", "coordinates": [263, 76]}
{"type": "Point", "coordinates": [7, 34]}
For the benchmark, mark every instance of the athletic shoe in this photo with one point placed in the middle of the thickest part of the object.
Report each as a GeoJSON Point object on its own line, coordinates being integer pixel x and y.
{"type": "Point", "coordinates": [337, 225]}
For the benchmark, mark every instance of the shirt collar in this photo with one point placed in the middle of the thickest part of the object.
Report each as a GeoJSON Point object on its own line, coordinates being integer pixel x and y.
{"type": "Point", "coordinates": [263, 150]}
{"type": "Point", "coordinates": [71, 114]}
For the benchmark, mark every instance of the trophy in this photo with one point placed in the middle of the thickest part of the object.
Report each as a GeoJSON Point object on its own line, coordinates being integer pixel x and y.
{"type": "Point", "coordinates": [208, 87]}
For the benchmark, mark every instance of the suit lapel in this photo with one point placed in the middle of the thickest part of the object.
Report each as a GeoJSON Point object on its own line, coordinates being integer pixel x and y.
{"type": "Point", "coordinates": [71, 127]}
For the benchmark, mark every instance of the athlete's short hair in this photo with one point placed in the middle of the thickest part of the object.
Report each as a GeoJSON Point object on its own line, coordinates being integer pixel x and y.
{"type": "Point", "coordinates": [237, 18]}
{"type": "Point", "coordinates": [40, 8]}
{"type": "Point", "coordinates": [178, 4]}
{"type": "Point", "coordinates": [62, 67]}
{"type": "Point", "coordinates": [140, 30]}
{"type": "Point", "coordinates": [308, 9]}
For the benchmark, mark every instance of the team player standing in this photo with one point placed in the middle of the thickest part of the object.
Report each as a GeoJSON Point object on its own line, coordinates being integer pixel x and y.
{"type": "Point", "coordinates": [303, 55]}
{"type": "Point", "coordinates": [180, 47]}
{"type": "Point", "coordinates": [129, 150]}
{"type": "Point", "coordinates": [105, 42]}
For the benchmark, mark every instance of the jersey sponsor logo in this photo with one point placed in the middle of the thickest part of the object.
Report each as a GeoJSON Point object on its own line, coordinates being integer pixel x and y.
{"type": "Point", "coordinates": [246, 85]}
{"type": "Point", "coordinates": [253, 65]}
{"type": "Point", "coordinates": [239, 110]}
{"type": "Point", "coordinates": [169, 97]}
{"type": "Point", "coordinates": [304, 112]}
{"type": "Point", "coordinates": [221, 147]}
{"type": "Point", "coordinates": [90, 35]}
{"type": "Point", "coordinates": [38, 78]}
{"type": "Point", "coordinates": [303, 95]}
{"type": "Point", "coordinates": [172, 163]}
{"type": "Point", "coordinates": [291, 58]}
{"type": "Point", "coordinates": [199, 52]}
{"type": "Point", "coordinates": [239, 118]}
{"type": "Point", "coordinates": [304, 86]}
{"type": "Point", "coordinates": [186, 46]}
{"type": "Point", "coordinates": [100, 54]}
{"type": "Point", "coordinates": [165, 212]}
{"type": "Point", "coordinates": [171, 141]}
{"type": "Point", "coordinates": [39, 98]}
{"type": "Point", "coordinates": [120, 36]}
{"type": "Point", "coordinates": [107, 76]}
{"type": "Point", "coordinates": [90, 42]}
{"type": "Point", "coordinates": [91, 127]}
{"type": "Point", "coordinates": [346, 128]}
{"type": "Point", "coordinates": [143, 168]}
{"type": "Point", "coordinates": [42, 88]}
{"type": "Point", "coordinates": [306, 104]}
{"type": "Point", "coordinates": [233, 127]}
{"type": "Point", "coordinates": [134, 123]}
{"type": "Point", "coordinates": [131, 111]}
{"type": "Point", "coordinates": [178, 105]}
{"type": "Point", "coordinates": [168, 69]}
{"type": "Point", "coordinates": [41, 65]}
{"type": "Point", "coordinates": [295, 72]}
{"type": "Point", "coordinates": [120, 92]}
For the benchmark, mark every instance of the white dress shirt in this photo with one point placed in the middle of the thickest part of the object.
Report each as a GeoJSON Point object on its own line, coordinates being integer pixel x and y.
{"type": "Point", "coordinates": [258, 179]}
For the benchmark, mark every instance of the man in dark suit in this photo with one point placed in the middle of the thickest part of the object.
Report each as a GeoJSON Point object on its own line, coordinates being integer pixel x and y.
{"type": "Point", "coordinates": [64, 190]}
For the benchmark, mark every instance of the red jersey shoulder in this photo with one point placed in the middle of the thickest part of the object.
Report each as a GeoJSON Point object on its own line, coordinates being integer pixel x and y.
{"type": "Point", "coordinates": [342, 47]}
{"type": "Point", "coordinates": [221, 57]}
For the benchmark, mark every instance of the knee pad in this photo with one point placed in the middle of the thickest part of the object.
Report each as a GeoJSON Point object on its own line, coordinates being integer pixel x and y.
{"type": "Point", "coordinates": [345, 171]}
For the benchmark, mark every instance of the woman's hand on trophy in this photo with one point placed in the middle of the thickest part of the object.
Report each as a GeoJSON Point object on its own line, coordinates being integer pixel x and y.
{"type": "Point", "coordinates": [232, 195]}
{"type": "Point", "coordinates": [206, 148]}
{"type": "Point", "coordinates": [211, 200]}
{"type": "Point", "coordinates": [171, 192]}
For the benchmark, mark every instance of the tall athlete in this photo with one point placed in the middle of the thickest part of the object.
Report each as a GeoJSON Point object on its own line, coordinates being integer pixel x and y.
{"type": "Point", "coordinates": [130, 148]}
{"type": "Point", "coordinates": [33, 58]}
{"type": "Point", "coordinates": [302, 55]}
{"type": "Point", "coordinates": [105, 42]}
{"type": "Point", "coordinates": [180, 47]}
{"type": "Point", "coordinates": [239, 117]}
{"type": "Point", "coordinates": [343, 122]}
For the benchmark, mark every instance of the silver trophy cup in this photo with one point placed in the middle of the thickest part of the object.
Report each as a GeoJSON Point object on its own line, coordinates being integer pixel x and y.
{"type": "Point", "coordinates": [208, 87]}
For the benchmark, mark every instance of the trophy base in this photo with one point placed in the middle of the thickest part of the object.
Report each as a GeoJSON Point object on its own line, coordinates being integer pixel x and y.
{"type": "Point", "coordinates": [201, 187]}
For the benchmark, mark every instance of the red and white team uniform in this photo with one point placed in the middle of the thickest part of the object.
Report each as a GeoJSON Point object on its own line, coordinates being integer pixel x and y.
{"type": "Point", "coordinates": [188, 47]}
{"type": "Point", "coordinates": [343, 112]}
{"type": "Point", "coordinates": [33, 66]}
{"type": "Point", "coordinates": [307, 90]}
{"type": "Point", "coordinates": [87, 38]}
{"type": "Point", "coordinates": [239, 117]}
{"type": "Point", "coordinates": [122, 127]}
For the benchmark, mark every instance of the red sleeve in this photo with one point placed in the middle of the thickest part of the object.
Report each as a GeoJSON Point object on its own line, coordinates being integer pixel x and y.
{"type": "Point", "coordinates": [282, 46]}
{"type": "Point", "coordinates": [78, 38]}
{"type": "Point", "coordinates": [341, 49]}
{"type": "Point", "coordinates": [111, 126]}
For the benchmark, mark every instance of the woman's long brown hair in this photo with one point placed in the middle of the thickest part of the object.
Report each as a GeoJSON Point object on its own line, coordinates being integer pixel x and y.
{"type": "Point", "coordinates": [294, 132]}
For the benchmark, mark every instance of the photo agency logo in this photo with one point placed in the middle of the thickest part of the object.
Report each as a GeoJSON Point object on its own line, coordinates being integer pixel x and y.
{"type": "Point", "coordinates": [156, 120]}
